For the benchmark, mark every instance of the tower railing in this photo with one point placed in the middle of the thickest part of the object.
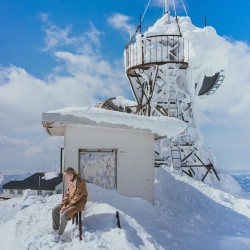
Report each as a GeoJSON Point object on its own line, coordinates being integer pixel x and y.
{"type": "Point", "coordinates": [158, 49]}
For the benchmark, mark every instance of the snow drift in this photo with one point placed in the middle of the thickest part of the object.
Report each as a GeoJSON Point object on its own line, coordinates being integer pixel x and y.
{"type": "Point", "coordinates": [186, 215]}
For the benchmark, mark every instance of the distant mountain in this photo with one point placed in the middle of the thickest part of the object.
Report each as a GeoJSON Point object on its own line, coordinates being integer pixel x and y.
{"type": "Point", "coordinates": [13, 177]}
{"type": "Point", "coordinates": [244, 180]}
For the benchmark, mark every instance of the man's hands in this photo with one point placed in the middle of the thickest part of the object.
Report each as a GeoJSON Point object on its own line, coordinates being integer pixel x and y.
{"type": "Point", "coordinates": [62, 209]}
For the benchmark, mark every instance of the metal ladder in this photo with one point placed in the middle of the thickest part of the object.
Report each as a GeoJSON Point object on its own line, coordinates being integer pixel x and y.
{"type": "Point", "coordinates": [176, 155]}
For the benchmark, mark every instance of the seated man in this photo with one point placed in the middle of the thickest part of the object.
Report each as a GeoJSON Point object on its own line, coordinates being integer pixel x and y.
{"type": "Point", "coordinates": [73, 202]}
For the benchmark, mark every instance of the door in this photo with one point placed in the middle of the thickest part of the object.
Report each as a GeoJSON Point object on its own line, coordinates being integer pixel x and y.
{"type": "Point", "coordinates": [99, 167]}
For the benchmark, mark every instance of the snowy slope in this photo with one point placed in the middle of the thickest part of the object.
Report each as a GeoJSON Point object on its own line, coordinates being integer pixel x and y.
{"type": "Point", "coordinates": [244, 180]}
{"type": "Point", "coordinates": [186, 215]}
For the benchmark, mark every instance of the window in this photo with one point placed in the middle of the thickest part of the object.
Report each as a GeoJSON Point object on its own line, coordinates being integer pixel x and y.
{"type": "Point", "coordinates": [12, 191]}
{"type": "Point", "coordinates": [58, 191]}
{"type": "Point", "coordinates": [50, 192]}
{"type": "Point", "coordinates": [19, 191]}
{"type": "Point", "coordinates": [39, 192]}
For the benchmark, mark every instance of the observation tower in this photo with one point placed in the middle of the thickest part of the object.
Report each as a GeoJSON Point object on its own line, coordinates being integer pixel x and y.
{"type": "Point", "coordinates": [160, 75]}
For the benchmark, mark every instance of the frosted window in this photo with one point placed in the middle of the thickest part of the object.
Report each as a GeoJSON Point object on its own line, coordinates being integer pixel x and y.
{"type": "Point", "coordinates": [99, 167]}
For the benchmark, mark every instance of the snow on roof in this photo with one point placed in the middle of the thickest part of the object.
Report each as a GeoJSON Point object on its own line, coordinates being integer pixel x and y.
{"type": "Point", "coordinates": [50, 175]}
{"type": "Point", "coordinates": [161, 126]}
{"type": "Point", "coordinates": [121, 101]}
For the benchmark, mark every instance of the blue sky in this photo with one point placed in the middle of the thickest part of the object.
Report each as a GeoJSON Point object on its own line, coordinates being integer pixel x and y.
{"type": "Point", "coordinates": [44, 44]}
{"type": "Point", "coordinates": [22, 32]}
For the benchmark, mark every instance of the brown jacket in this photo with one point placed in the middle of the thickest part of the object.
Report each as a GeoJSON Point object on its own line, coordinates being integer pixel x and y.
{"type": "Point", "coordinates": [76, 197]}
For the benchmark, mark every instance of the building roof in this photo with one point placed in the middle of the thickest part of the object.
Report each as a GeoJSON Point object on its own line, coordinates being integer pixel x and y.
{"type": "Point", "coordinates": [54, 122]}
{"type": "Point", "coordinates": [35, 182]}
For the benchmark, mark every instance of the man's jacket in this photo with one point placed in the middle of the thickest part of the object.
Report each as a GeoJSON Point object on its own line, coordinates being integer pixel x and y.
{"type": "Point", "coordinates": [76, 197]}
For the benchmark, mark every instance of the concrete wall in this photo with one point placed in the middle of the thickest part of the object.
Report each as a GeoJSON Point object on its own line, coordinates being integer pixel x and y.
{"type": "Point", "coordinates": [135, 155]}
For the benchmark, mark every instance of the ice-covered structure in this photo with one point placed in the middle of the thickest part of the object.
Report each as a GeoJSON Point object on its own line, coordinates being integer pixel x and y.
{"type": "Point", "coordinates": [167, 70]}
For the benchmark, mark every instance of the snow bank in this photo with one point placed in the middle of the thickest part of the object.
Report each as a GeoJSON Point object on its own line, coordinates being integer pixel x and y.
{"type": "Point", "coordinates": [162, 126]}
{"type": "Point", "coordinates": [227, 199]}
{"type": "Point", "coordinates": [186, 214]}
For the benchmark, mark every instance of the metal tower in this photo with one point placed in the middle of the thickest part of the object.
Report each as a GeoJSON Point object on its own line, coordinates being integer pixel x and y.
{"type": "Point", "coordinates": [157, 67]}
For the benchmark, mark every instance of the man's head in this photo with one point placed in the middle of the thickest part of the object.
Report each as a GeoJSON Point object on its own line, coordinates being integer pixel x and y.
{"type": "Point", "coordinates": [69, 173]}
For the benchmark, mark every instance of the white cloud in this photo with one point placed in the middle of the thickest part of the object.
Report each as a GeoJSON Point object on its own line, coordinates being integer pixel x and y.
{"type": "Point", "coordinates": [56, 37]}
{"type": "Point", "coordinates": [49, 145]}
{"type": "Point", "coordinates": [86, 78]}
{"type": "Point", "coordinates": [225, 115]}
{"type": "Point", "coordinates": [23, 97]}
{"type": "Point", "coordinates": [94, 34]}
{"type": "Point", "coordinates": [81, 77]}
{"type": "Point", "coordinates": [6, 141]}
{"type": "Point", "coordinates": [33, 151]}
{"type": "Point", "coordinates": [53, 143]}
{"type": "Point", "coordinates": [87, 43]}
{"type": "Point", "coordinates": [120, 21]}
{"type": "Point", "coordinates": [44, 17]}
{"type": "Point", "coordinates": [229, 105]}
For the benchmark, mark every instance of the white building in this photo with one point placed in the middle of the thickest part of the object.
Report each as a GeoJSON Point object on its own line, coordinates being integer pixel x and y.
{"type": "Point", "coordinates": [37, 183]}
{"type": "Point", "coordinates": [111, 149]}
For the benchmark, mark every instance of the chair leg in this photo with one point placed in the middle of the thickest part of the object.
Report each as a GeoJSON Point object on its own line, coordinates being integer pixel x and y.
{"type": "Point", "coordinates": [80, 225]}
{"type": "Point", "coordinates": [77, 218]}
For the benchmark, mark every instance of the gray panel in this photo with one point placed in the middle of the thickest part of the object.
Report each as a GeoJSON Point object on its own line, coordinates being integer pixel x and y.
{"type": "Point", "coordinates": [208, 83]}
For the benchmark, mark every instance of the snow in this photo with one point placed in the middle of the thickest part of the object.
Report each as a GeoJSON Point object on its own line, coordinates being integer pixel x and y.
{"type": "Point", "coordinates": [50, 175]}
{"type": "Point", "coordinates": [203, 55]}
{"type": "Point", "coordinates": [205, 51]}
{"type": "Point", "coordinates": [187, 214]}
{"type": "Point", "coordinates": [121, 101]}
{"type": "Point", "coordinates": [1, 178]}
{"type": "Point", "coordinates": [162, 126]}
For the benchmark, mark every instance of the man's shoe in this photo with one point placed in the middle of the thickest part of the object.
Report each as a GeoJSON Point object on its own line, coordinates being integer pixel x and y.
{"type": "Point", "coordinates": [54, 232]}
{"type": "Point", "coordinates": [56, 238]}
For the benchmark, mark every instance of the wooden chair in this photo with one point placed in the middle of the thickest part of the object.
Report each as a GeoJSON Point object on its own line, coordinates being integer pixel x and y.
{"type": "Point", "coordinates": [78, 219]}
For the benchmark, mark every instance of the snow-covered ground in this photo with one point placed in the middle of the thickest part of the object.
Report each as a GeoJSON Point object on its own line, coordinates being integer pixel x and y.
{"type": "Point", "coordinates": [187, 214]}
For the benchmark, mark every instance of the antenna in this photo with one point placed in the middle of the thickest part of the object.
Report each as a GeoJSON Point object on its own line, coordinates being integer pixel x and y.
{"type": "Point", "coordinates": [167, 11]}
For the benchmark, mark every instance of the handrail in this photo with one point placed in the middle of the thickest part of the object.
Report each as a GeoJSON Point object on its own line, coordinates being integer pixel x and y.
{"type": "Point", "coordinates": [163, 35]}
{"type": "Point", "coordinates": [156, 49]}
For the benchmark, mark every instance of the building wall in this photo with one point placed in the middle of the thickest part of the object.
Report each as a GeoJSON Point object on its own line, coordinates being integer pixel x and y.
{"type": "Point", "coordinates": [14, 192]}
{"type": "Point", "coordinates": [7, 194]}
{"type": "Point", "coordinates": [135, 155]}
